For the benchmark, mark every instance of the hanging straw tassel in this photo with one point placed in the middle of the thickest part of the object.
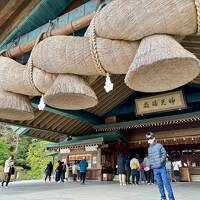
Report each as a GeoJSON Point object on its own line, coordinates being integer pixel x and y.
{"type": "Point", "coordinates": [70, 92]}
{"type": "Point", "coordinates": [41, 105]}
{"type": "Point", "coordinates": [108, 84]}
{"type": "Point", "coordinates": [161, 64]}
{"type": "Point", "coordinates": [15, 106]}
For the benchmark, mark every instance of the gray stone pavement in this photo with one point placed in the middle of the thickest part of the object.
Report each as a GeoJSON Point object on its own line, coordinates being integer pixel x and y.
{"type": "Point", "coordinates": [38, 190]}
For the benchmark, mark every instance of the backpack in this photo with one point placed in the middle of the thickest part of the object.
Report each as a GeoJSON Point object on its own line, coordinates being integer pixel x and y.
{"type": "Point", "coordinates": [12, 170]}
{"type": "Point", "coordinates": [134, 165]}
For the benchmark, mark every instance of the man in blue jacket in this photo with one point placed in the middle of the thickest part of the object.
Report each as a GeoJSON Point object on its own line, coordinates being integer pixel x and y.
{"type": "Point", "coordinates": [83, 169]}
{"type": "Point", "coordinates": [157, 161]}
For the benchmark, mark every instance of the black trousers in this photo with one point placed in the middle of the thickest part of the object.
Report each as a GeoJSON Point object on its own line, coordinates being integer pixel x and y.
{"type": "Point", "coordinates": [47, 177]}
{"type": "Point", "coordinates": [128, 174]}
{"type": "Point", "coordinates": [6, 179]}
{"type": "Point", "coordinates": [150, 176]}
{"type": "Point", "coordinates": [135, 177]}
{"type": "Point", "coordinates": [74, 177]}
{"type": "Point", "coordinates": [82, 176]}
{"type": "Point", "coordinates": [58, 175]}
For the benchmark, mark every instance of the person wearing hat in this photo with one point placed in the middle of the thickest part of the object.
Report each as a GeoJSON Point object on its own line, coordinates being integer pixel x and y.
{"type": "Point", "coordinates": [157, 161]}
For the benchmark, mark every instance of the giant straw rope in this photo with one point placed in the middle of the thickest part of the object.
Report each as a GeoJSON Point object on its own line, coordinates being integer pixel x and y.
{"type": "Point", "coordinates": [133, 37]}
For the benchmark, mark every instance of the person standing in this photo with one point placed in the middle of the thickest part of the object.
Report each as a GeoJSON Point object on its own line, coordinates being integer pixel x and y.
{"type": "Point", "coordinates": [135, 166]}
{"type": "Point", "coordinates": [157, 160]}
{"type": "Point", "coordinates": [121, 162]}
{"type": "Point", "coordinates": [8, 170]}
{"type": "Point", "coordinates": [67, 171]}
{"type": "Point", "coordinates": [58, 171]}
{"type": "Point", "coordinates": [169, 168]}
{"type": "Point", "coordinates": [62, 175]}
{"type": "Point", "coordinates": [176, 167]}
{"type": "Point", "coordinates": [48, 171]}
{"type": "Point", "coordinates": [75, 171]}
{"type": "Point", "coordinates": [148, 171]}
{"type": "Point", "coordinates": [128, 170]}
{"type": "Point", "coordinates": [83, 169]}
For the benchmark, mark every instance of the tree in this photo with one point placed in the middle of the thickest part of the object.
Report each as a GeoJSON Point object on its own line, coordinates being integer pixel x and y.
{"type": "Point", "coordinates": [22, 150]}
{"type": "Point", "coordinates": [4, 152]}
{"type": "Point", "coordinates": [8, 136]}
{"type": "Point", "coordinates": [37, 159]}
{"type": "Point", "coordinates": [23, 145]}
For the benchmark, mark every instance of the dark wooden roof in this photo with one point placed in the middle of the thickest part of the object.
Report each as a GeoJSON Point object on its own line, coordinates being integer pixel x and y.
{"type": "Point", "coordinates": [11, 14]}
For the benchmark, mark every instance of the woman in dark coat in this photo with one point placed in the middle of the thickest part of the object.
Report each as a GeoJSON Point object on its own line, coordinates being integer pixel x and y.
{"type": "Point", "coordinates": [121, 163]}
{"type": "Point", "coordinates": [48, 171]}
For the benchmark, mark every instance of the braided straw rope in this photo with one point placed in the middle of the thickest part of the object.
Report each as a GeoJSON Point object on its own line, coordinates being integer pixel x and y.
{"type": "Point", "coordinates": [30, 65]}
{"type": "Point", "coordinates": [93, 45]}
{"type": "Point", "coordinates": [197, 3]}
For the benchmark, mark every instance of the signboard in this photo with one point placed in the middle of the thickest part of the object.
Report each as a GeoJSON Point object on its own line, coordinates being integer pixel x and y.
{"type": "Point", "coordinates": [65, 150]}
{"type": "Point", "coordinates": [159, 103]}
{"type": "Point", "coordinates": [91, 148]}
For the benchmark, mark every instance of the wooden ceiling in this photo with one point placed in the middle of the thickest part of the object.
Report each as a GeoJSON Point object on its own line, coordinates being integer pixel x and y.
{"type": "Point", "coordinates": [11, 14]}
{"type": "Point", "coordinates": [57, 124]}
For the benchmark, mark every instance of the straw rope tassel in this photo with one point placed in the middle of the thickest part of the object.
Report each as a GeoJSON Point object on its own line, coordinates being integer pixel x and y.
{"type": "Point", "coordinates": [93, 48]}
{"type": "Point", "coordinates": [41, 105]}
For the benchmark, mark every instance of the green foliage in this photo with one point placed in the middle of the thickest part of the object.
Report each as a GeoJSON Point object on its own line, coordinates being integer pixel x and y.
{"type": "Point", "coordinates": [37, 160]}
{"type": "Point", "coordinates": [8, 136]}
{"type": "Point", "coordinates": [2, 162]}
{"type": "Point", "coordinates": [4, 152]}
{"type": "Point", "coordinates": [22, 148]}
{"type": "Point", "coordinates": [27, 152]}
{"type": "Point", "coordinates": [20, 162]}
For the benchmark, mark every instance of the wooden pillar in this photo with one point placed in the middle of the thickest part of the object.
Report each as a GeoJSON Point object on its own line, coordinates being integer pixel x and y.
{"type": "Point", "coordinates": [99, 165]}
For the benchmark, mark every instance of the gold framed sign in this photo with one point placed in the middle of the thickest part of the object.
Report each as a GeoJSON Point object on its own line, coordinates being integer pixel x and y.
{"type": "Point", "coordinates": [159, 103]}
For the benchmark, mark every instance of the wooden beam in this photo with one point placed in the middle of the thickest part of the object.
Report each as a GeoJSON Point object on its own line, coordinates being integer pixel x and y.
{"type": "Point", "coordinates": [10, 25]}
{"type": "Point", "coordinates": [30, 127]}
{"type": "Point", "coordinates": [9, 10]}
{"type": "Point", "coordinates": [80, 115]}
{"type": "Point", "coordinates": [69, 23]}
{"type": "Point", "coordinates": [66, 30]}
{"type": "Point", "coordinates": [132, 124]}
{"type": "Point", "coordinates": [22, 131]}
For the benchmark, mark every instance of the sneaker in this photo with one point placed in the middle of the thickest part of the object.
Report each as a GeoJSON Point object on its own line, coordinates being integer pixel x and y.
{"type": "Point", "coordinates": [124, 184]}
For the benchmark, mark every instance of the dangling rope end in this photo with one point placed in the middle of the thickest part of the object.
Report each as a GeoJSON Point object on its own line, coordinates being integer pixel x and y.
{"type": "Point", "coordinates": [108, 84]}
{"type": "Point", "coordinates": [41, 105]}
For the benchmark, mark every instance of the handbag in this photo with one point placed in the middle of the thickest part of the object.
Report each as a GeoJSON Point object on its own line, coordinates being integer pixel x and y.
{"type": "Point", "coordinates": [12, 170]}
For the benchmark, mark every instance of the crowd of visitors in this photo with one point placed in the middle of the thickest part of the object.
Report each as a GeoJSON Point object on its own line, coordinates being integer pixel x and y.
{"type": "Point", "coordinates": [79, 169]}
{"type": "Point", "coordinates": [154, 167]}
{"type": "Point", "coordinates": [134, 171]}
